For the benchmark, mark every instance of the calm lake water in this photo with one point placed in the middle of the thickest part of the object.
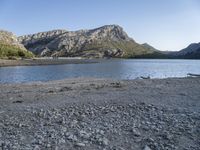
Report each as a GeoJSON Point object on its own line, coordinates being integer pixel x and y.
{"type": "Point", "coordinates": [117, 68]}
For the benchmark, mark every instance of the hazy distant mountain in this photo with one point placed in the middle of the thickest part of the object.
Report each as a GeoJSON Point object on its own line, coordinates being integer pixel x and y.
{"type": "Point", "coordinates": [190, 52]}
{"type": "Point", "coordinates": [106, 41]}
{"type": "Point", "coordinates": [10, 46]}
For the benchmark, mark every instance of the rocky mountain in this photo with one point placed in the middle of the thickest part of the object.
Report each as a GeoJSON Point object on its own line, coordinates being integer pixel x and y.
{"type": "Point", "coordinates": [190, 52]}
{"type": "Point", "coordinates": [10, 39]}
{"type": "Point", "coordinates": [106, 41]}
{"type": "Point", "coordinates": [10, 46]}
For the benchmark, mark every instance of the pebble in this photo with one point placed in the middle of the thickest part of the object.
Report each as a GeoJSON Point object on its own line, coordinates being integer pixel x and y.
{"type": "Point", "coordinates": [80, 144]}
{"type": "Point", "coordinates": [135, 132]}
{"type": "Point", "coordinates": [147, 148]}
{"type": "Point", "coordinates": [104, 141]}
{"type": "Point", "coordinates": [121, 123]}
{"type": "Point", "coordinates": [84, 134]}
{"type": "Point", "coordinates": [36, 147]}
{"type": "Point", "coordinates": [72, 137]}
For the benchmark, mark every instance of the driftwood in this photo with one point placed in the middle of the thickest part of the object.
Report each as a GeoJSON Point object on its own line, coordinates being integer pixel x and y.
{"type": "Point", "coordinates": [142, 77]}
{"type": "Point", "coordinates": [193, 75]}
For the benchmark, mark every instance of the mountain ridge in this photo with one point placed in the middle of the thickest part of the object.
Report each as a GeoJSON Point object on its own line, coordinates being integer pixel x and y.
{"type": "Point", "coordinates": [105, 41]}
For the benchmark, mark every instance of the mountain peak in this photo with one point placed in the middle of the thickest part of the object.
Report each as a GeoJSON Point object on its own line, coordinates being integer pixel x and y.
{"type": "Point", "coordinates": [114, 32]}
{"type": "Point", "coordinates": [105, 41]}
{"type": "Point", "coordinates": [111, 26]}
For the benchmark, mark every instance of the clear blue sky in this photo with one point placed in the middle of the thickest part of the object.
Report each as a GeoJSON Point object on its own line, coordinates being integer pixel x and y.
{"type": "Point", "coordinates": [165, 24]}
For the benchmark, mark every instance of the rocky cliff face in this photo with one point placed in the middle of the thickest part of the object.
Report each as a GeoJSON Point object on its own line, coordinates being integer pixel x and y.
{"type": "Point", "coordinates": [9, 38]}
{"type": "Point", "coordinates": [106, 41]}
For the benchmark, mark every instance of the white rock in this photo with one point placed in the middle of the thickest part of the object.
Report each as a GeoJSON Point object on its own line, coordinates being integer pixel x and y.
{"type": "Point", "coordinates": [147, 148]}
{"type": "Point", "coordinates": [80, 144]}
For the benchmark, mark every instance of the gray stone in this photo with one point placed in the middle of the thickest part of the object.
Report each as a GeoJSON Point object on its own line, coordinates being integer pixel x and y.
{"type": "Point", "coordinates": [80, 144]}
{"type": "Point", "coordinates": [84, 134]}
{"type": "Point", "coordinates": [135, 132]}
{"type": "Point", "coordinates": [147, 148]}
{"type": "Point", "coordinates": [37, 147]}
{"type": "Point", "coordinates": [105, 141]}
{"type": "Point", "coordinates": [72, 137]}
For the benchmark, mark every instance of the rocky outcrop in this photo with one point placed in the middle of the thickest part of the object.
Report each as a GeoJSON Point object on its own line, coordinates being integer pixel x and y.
{"type": "Point", "coordinates": [10, 39]}
{"type": "Point", "coordinates": [106, 41]}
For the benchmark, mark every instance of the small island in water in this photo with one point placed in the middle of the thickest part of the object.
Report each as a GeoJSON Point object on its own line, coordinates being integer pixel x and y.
{"type": "Point", "coordinates": [94, 89]}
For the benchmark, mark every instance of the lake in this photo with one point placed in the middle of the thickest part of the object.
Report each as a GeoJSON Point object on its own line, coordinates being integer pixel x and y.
{"type": "Point", "coordinates": [113, 68]}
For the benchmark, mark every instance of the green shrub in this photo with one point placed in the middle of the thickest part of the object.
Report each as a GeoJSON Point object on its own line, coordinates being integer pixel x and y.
{"type": "Point", "coordinates": [130, 48]}
{"type": "Point", "coordinates": [21, 53]}
{"type": "Point", "coordinates": [10, 51]}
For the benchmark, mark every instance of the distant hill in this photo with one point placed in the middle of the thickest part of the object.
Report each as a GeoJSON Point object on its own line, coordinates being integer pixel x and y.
{"type": "Point", "coordinates": [156, 54]}
{"type": "Point", "coordinates": [10, 47]}
{"type": "Point", "coordinates": [147, 46]}
{"type": "Point", "coordinates": [106, 41]}
{"type": "Point", "coordinates": [190, 52]}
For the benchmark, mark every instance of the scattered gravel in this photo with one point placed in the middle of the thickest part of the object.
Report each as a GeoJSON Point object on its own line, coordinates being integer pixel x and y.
{"type": "Point", "coordinates": [109, 117]}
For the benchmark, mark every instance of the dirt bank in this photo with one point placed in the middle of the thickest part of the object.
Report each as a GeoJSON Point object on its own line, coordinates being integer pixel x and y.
{"type": "Point", "coordinates": [36, 62]}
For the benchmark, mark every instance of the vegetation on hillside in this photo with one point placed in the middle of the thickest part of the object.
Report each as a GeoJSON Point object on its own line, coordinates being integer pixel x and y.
{"type": "Point", "coordinates": [130, 48]}
{"type": "Point", "coordinates": [154, 55]}
{"type": "Point", "coordinates": [11, 51]}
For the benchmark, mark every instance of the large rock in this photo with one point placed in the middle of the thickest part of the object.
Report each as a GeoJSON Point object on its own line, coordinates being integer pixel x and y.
{"type": "Point", "coordinates": [106, 41]}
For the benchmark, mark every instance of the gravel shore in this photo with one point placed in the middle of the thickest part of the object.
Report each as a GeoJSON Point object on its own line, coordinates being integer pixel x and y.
{"type": "Point", "coordinates": [87, 113]}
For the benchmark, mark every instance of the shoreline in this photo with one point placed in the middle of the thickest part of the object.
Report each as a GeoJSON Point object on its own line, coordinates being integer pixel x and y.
{"type": "Point", "coordinates": [92, 113]}
{"type": "Point", "coordinates": [60, 61]}
{"type": "Point", "coordinates": [43, 61]}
